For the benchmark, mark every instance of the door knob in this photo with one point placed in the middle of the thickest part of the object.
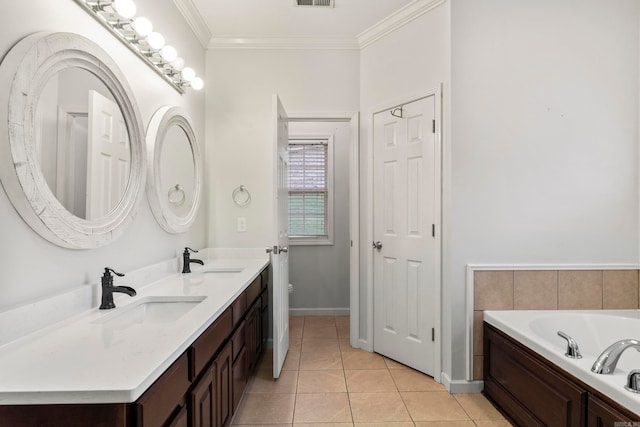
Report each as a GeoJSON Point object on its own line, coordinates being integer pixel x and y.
{"type": "Point", "coordinates": [283, 249]}
{"type": "Point", "coordinates": [273, 250]}
{"type": "Point", "coordinates": [377, 245]}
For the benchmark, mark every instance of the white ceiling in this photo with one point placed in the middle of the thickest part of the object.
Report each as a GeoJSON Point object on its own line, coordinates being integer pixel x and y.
{"type": "Point", "coordinates": [283, 19]}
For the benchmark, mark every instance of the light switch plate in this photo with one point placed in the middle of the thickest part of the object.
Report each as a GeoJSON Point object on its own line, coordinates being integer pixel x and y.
{"type": "Point", "coordinates": [242, 224]}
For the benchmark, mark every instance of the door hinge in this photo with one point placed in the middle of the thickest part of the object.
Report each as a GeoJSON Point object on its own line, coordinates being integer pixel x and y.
{"type": "Point", "coordinates": [433, 334]}
{"type": "Point", "coordinates": [433, 127]}
{"type": "Point", "coordinates": [433, 230]}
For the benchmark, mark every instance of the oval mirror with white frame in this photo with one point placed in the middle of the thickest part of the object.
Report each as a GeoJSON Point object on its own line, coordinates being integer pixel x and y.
{"type": "Point", "coordinates": [174, 181]}
{"type": "Point", "coordinates": [63, 102]}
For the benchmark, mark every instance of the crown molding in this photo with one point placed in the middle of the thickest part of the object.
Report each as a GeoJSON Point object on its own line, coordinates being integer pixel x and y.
{"type": "Point", "coordinates": [396, 20]}
{"type": "Point", "coordinates": [382, 28]}
{"type": "Point", "coordinates": [192, 15]}
{"type": "Point", "coordinates": [266, 42]}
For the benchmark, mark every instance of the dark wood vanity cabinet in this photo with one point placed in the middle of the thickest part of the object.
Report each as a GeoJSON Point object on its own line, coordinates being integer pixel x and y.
{"type": "Point", "coordinates": [531, 391]}
{"type": "Point", "coordinates": [202, 388]}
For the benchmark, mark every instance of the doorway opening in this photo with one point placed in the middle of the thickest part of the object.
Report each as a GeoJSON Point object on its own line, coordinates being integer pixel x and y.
{"type": "Point", "coordinates": [325, 268]}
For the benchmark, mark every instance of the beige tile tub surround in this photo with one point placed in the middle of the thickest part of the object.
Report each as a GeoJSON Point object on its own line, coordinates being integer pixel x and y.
{"type": "Point", "coordinates": [548, 290]}
{"type": "Point", "coordinates": [352, 387]}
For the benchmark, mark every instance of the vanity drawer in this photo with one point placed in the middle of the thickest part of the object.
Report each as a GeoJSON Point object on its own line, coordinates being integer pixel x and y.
{"type": "Point", "coordinates": [162, 399]}
{"type": "Point", "coordinates": [253, 291]}
{"type": "Point", "coordinates": [239, 308]}
{"type": "Point", "coordinates": [205, 347]}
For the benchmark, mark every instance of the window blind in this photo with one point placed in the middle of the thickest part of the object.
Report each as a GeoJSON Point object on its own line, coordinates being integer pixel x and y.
{"type": "Point", "coordinates": [308, 190]}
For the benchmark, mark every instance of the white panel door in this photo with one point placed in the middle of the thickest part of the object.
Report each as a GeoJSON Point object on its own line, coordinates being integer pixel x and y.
{"type": "Point", "coordinates": [404, 224]}
{"type": "Point", "coordinates": [108, 156]}
{"type": "Point", "coordinates": [280, 251]}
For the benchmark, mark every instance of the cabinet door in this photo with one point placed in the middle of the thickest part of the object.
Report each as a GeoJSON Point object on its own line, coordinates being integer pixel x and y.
{"type": "Point", "coordinates": [203, 400]}
{"type": "Point", "coordinates": [240, 377]}
{"type": "Point", "coordinates": [224, 385]}
{"type": "Point", "coordinates": [252, 334]}
{"type": "Point", "coordinates": [601, 414]}
{"type": "Point", "coordinates": [265, 318]}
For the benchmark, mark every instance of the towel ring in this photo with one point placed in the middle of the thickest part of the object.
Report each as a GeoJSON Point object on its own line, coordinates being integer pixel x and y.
{"type": "Point", "coordinates": [176, 195]}
{"type": "Point", "coordinates": [241, 196]}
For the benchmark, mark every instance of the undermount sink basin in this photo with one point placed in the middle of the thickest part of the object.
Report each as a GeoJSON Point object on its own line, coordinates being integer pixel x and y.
{"type": "Point", "coordinates": [219, 270]}
{"type": "Point", "coordinates": [160, 309]}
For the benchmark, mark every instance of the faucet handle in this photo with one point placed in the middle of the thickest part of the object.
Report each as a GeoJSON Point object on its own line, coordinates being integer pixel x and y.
{"type": "Point", "coordinates": [633, 381]}
{"type": "Point", "coordinates": [109, 269]}
{"type": "Point", "coordinates": [189, 249]}
{"type": "Point", "coordinates": [573, 351]}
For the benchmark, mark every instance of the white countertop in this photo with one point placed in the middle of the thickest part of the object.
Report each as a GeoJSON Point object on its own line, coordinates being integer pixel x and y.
{"type": "Point", "coordinates": [82, 360]}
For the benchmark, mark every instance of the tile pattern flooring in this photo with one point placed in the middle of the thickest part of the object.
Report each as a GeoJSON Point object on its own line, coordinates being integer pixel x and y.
{"type": "Point", "coordinates": [325, 382]}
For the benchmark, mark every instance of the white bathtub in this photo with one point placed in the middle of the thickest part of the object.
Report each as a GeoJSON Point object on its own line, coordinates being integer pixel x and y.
{"type": "Point", "coordinates": [593, 330]}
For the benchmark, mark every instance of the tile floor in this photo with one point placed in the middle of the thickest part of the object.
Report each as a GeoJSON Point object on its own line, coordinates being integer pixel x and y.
{"type": "Point", "coordinates": [325, 382]}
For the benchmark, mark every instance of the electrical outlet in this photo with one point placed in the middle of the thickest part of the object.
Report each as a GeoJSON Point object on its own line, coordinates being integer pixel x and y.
{"type": "Point", "coordinates": [242, 224]}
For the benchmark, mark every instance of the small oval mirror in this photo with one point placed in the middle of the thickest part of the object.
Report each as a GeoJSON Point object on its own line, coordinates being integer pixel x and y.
{"type": "Point", "coordinates": [174, 173]}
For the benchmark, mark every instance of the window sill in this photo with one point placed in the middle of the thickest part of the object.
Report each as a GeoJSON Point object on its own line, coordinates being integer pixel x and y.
{"type": "Point", "coordinates": [310, 242]}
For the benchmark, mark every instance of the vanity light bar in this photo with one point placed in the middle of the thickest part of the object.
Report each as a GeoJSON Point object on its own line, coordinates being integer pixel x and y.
{"type": "Point", "coordinates": [138, 35]}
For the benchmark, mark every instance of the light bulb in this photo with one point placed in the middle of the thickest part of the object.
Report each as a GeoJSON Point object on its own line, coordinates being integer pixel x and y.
{"type": "Point", "coordinates": [125, 8]}
{"type": "Point", "coordinates": [197, 83]}
{"type": "Point", "coordinates": [178, 64]}
{"type": "Point", "coordinates": [188, 74]}
{"type": "Point", "coordinates": [169, 53]}
{"type": "Point", "coordinates": [142, 26]}
{"type": "Point", "coordinates": [155, 40]}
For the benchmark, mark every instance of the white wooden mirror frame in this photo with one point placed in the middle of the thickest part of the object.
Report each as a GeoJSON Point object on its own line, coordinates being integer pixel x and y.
{"type": "Point", "coordinates": [24, 72]}
{"type": "Point", "coordinates": [163, 119]}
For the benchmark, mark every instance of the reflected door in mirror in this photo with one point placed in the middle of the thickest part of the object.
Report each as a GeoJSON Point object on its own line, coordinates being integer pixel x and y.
{"type": "Point", "coordinates": [82, 143]}
{"type": "Point", "coordinates": [108, 156]}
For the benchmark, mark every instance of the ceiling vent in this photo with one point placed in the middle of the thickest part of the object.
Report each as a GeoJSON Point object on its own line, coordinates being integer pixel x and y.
{"type": "Point", "coordinates": [319, 3]}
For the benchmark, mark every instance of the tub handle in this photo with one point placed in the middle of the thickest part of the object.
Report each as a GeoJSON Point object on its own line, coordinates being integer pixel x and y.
{"type": "Point", "coordinates": [573, 351]}
{"type": "Point", "coordinates": [633, 381]}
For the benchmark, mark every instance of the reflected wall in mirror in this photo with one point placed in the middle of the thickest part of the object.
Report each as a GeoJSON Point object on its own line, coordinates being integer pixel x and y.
{"type": "Point", "coordinates": [174, 174]}
{"type": "Point", "coordinates": [177, 171]}
{"type": "Point", "coordinates": [82, 143]}
{"type": "Point", "coordinates": [72, 159]}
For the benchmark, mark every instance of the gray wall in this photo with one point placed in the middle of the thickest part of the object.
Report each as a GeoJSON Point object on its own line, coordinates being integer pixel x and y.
{"type": "Point", "coordinates": [320, 273]}
{"type": "Point", "coordinates": [31, 267]}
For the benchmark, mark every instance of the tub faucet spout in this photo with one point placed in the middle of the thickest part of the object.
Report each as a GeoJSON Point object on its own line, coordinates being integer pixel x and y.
{"type": "Point", "coordinates": [607, 361]}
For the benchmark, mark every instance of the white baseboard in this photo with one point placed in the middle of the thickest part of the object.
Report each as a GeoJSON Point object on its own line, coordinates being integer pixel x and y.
{"type": "Point", "coordinates": [461, 386]}
{"type": "Point", "coordinates": [319, 311]}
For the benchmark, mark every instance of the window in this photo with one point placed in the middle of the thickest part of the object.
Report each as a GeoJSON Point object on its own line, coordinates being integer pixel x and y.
{"type": "Point", "coordinates": [310, 191]}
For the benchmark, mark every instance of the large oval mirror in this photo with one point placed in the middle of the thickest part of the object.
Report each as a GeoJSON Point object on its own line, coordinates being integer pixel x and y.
{"type": "Point", "coordinates": [73, 164]}
{"type": "Point", "coordinates": [174, 174]}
